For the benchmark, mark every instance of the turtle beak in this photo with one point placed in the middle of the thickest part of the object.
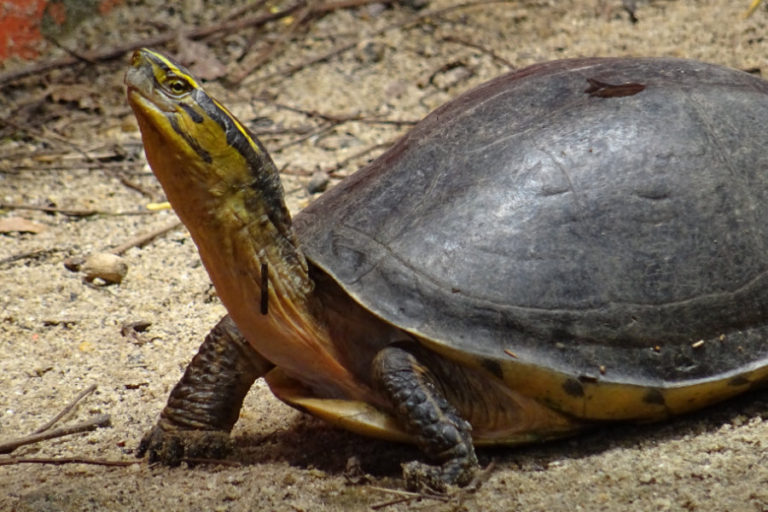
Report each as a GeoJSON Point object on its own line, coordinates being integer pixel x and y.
{"type": "Point", "coordinates": [142, 87]}
{"type": "Point", "coordinates": [139, 75]}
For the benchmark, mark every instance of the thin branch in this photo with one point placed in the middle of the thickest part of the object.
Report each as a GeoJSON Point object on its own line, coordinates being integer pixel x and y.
{"type": "Point", "coordinates": [315, 133]}
{"type": "Point", "coordinates": [290, 70]}
{"type": "Point", "coordinates": [309, 12]}
{"type": "Point", "coordinates": [67, 460]}
{"type": "Point", "coordinates": [145, 238]}
{"type": "Point", "coordinates": [343, 118]}
{"type": "Point", "coordinates": [29, 254]}
{"type": "Point", "coordinates": [131, 185]}
{"type": "Point", "coordinates": [67, 211]}
{"type": "Point", "coordinates": [48, 209]}
{"type": "Point", "coordinates": [404, 497]}
{"type": "Point", "coordinates": [102, 420]}
{"type": "Point", "coordinates": [265, 54]}
{"type": "Point", "coordinates": [244, 9]}
{"type": "Point", "coordinates": [348, 4]}
{"type": "Point", "coordinates": [218, 462]}
{"type": "Point", "coordinates": [87, 391]}
{"type": "Point", "coordinates": [487, 51]}
{"type": "Point", "coordinates": [47, 137]}
{"type": "Point", "coordinates": [454, 495]}
{"type": "Point", "coordinates": [127, 164]}
{"type": "Point", "coordinates": [396, 501]}
{"type": "Point", "coordinates": [70, 51]}
{"type": "Point", "coordinates": [332, 171]}
{"type": "Point", "coordinates": [400, 492]}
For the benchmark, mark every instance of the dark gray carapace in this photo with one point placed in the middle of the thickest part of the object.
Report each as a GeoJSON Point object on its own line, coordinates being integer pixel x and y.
{"type": "Point", "coordinates": [615, 242]}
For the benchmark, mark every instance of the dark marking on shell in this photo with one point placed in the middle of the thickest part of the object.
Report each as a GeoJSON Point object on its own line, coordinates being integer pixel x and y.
{"type": "Point", "coordinates": [654, 194]}
{"type": "Point", "coordinates": [739, 380]}
{"type": "Point", "coordinates": [573, 387]}
{"type": "Point", "coordinates": [654, 397]}
{"type": "Point", "coordinates": [600, 89]}
{"type": "Point", "coordinates": [493, 367]}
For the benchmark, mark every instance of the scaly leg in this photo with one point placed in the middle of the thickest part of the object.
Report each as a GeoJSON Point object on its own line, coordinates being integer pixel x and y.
{"type": "Point", "coordinates": [205, 404]}
{"type": "Point", "coordinates": [426, 413]}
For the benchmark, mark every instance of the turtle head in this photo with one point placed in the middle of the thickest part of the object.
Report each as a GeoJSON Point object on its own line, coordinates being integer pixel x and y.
{"type": "Point", "coordinates": [225, 188]}
{"type": "Point", "coordinates": [201, 154]}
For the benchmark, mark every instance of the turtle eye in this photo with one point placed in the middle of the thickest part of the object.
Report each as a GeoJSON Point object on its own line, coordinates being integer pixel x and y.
{"type": "Point", "coordinates": [177, 85]}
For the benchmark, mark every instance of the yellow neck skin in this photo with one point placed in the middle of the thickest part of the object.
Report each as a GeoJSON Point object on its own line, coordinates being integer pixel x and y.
{"type": "Point", "coordinates": [238, 228]}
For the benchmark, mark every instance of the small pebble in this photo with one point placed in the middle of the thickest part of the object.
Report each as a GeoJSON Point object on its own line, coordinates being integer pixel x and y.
{"type": "Point", "coordinates": [369, 52]}
{"type": "Point", "coordinates": [646, 478]}
{"type": "Point", "coordinates": [318, 182]}
{"type": "Point", "coordinates": [106, 266]}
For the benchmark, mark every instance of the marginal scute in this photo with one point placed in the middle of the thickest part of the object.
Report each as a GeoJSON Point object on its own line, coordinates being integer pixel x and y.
{"type": "Point", "coordinates": [493, 366]}
{"type": "Point", "coordinates": [739, 381]}
{"type": "Point", "coordinates": [654, 397]}
{"type": "Point", "coordinates": [573, 387]}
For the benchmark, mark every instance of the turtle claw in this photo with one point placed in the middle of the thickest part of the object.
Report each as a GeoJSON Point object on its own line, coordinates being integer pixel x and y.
{"type": "Point", "coordinates": [172, 447]}
{"type": "Point", "coordinates": [420, 477]}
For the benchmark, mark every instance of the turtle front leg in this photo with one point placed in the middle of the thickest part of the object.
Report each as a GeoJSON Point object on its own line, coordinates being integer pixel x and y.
{"type": "Point", "coordinates": [205, 404]}
{"type": "Point", "coordinates": [427, 414]}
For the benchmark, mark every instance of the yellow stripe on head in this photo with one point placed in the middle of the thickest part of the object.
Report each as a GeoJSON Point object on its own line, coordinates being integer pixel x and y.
{"type": "Point", "coordinates": [165, 95]}
{"type": "Point", "coordinates": [164, 68]}
{"type": "Point", "coordinates": [255, 146]}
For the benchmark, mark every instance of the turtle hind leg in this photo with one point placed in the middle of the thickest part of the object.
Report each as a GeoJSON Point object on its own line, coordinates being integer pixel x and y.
{"type": "Point", "coordinates": [205, 404]}
{"type": "Point", "coordinates": [426, 413]}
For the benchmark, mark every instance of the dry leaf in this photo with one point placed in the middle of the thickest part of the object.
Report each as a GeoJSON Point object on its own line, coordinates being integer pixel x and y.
{"type": "Point", "coordinates": [202, 62]}
{"type": "Point", "coordinates": [86, 98]}
{"type": "Point", "coordinates": [20, 225]}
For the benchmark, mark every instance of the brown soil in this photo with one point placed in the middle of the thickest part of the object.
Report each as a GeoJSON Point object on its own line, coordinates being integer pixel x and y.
{"type": "Point", "coordinates": [58, 335]}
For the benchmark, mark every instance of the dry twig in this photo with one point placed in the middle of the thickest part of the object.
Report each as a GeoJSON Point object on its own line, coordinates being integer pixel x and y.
{"type": "Point", "coordinates": [48, 209]}
{"type": "Point", "coordinates": [487, 51]}
{"type": "Point", "coordinates": [332, 171]}
{"type": "Point", "coordinates": [457, 495]}
{"type": "Point", "coordinates": [66, 460]}
{"type": "Point", "coordinates": [343, 118]}
{"type": "Point", "coordinates": [404, 497]}
{"type": "Point", "coordinates": [314, 133]}
{"type": "Point", "coordinates": [102, 420]}
{"type": "Point", "coordinates": [28, 254]}
{"type": "Point", "coordinates": [87, 391]}
{"type": "Point", "coordinates": [67, 211]}
{"type": "Point", "coordinates": [265, 54]}
{"type": "Point", "coordinates": [145, 238]}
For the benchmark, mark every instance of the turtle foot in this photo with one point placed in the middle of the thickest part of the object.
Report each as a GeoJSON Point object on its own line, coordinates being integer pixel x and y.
{"type": "Point", "coordinates": [422, 477]}
{"type": "Point", "coordinates": [171, 447]}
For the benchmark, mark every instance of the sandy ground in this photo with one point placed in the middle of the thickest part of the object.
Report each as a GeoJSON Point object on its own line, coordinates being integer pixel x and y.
{"type": "Point", "coordinates": [59, 335]}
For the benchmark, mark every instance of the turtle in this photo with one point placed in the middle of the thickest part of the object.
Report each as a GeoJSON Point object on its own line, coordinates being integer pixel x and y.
{"type": "Point", "coordinates": [577, 242]}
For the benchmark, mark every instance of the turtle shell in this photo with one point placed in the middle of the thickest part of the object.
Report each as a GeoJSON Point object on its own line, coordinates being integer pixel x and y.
{"type": "Point", "coordinates": [579, 228]}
